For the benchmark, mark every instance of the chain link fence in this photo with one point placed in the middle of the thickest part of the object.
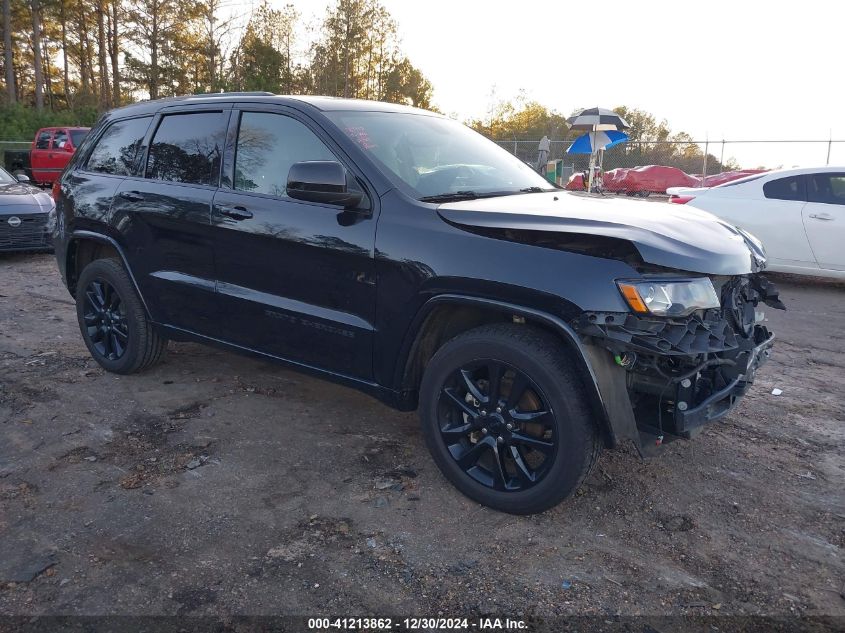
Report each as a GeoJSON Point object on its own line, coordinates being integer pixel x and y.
{"type": "Point", "coordinates": [689, 156]}
{"type": "Point", "coordinates": [723, 155]}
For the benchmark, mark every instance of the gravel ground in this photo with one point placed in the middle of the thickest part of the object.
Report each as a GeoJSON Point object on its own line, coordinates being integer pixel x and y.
{"type": "Point", "coordinates": [216, 485]}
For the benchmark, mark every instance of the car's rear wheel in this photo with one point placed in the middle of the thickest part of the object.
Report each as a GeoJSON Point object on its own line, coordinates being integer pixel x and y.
{"type": "Point", "coordinates": [505, 417]}
{"type": "Point", "coordinates": [112, 319]}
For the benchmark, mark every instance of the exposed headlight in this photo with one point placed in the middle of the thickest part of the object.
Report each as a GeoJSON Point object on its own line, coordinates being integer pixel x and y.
{"type": "Point", "coordinates": [670, 298]}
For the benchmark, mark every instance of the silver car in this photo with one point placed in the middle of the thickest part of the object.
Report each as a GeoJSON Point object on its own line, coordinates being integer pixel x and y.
{"type": "Point", "coordinates": [26, 215]}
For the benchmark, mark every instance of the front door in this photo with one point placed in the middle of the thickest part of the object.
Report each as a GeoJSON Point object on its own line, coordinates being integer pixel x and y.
{"type": "Point", "coordinates": [41, 156]}
{"type": "Point", "coordinates": [296, 278]}
{"type": "Point", "coordinates": [824, 218]}
{"type": "Point", "coordinates": [164, 211]}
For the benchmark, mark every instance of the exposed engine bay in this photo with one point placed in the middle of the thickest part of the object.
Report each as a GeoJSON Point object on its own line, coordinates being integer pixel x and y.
{"type": "Point", "coordinates": [684, 372]}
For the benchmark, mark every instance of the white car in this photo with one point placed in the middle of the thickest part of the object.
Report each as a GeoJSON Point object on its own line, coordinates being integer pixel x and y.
{"type": "Point", "coordinates": [798, 214]}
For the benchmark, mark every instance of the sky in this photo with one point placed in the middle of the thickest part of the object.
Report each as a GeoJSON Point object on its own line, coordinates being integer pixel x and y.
{"type": "Point", "coordinates": [738, 70]}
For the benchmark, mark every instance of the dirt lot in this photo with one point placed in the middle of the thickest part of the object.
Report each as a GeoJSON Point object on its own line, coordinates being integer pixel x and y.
{"type": "Point", "coordinates": [216, 484]}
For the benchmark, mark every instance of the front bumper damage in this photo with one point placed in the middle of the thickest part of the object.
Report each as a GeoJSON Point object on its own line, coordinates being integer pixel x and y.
{"type": "Point", "coordinates": [662, 379]}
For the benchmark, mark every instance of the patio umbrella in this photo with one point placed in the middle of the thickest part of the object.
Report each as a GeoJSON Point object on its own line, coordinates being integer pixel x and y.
{"type": "Point", "coordinates": [594, 119]}
{"type": "Point", "coordinates": [594, 141]}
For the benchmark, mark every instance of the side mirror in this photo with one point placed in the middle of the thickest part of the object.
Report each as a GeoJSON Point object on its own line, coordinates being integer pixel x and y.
{"type": "Point", "coordinates": [323, 181]}
{"type": "Point", "coordinates": [69, 148]}
{"type": "Point", "coordinates": [21, 177]}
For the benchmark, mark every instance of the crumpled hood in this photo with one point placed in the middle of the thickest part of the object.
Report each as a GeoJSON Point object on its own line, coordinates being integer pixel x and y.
{"type": "Point", "coordinates": [18, 197]}
{"type": "Point", "coordinates": [664, 234]}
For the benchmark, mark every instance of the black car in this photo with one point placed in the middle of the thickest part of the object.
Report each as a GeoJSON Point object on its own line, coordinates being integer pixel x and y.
{"type": "Point", "coordinates": [398, 252]}
{"type": "Point", "coordinates": [26, 215]}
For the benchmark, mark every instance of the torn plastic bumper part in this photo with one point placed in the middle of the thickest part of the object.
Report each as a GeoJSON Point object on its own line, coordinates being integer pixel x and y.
{"type": "Point", "coordinates": [719, 403]}
{"type": "Point", "coordinates": [678, 374]}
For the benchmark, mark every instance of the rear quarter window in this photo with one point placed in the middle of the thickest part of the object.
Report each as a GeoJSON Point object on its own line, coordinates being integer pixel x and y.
{"type": "Point", "coordinates": [789, 188]}
{"type": "Point", "coordinates": [114, 152]}
{"type": "Point", "coordinates": [77, 136]}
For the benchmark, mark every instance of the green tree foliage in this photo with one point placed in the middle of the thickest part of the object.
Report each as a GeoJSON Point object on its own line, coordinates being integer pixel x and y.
{"type": "Point", "coordinates": [521, 119]}
{"type": "Point", "coordinates": [260, 66]}
{"type": "Point", "coordinates": [263, 58]}
{"type": "Point", "coordinates": [358, 55]}
{"type": "Point", "coordinates": [164, 56]}
{"type": "Point", "coordinates": [96, 54]}
{"type": "Point", "coordinates": [19, 122]}
{"type": "Point", "coordinates": [406, 84]}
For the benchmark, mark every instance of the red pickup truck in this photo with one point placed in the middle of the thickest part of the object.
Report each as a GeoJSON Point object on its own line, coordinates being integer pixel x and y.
{"type": "Point", "coordinates": [50, 153]}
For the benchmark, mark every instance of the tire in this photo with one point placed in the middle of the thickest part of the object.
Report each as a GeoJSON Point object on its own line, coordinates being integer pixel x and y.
{"type": "Point", "coordinates": [539, 367]}
{"type": "Point", "coordinates": [122, 341]}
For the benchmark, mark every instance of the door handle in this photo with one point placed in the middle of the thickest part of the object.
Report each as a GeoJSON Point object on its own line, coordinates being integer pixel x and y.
{"type": "Point", "coordinates": [235, 212]}
{"type": "Point", "coordinates": [821, 216]}
{"type": "Point", "coordinates": [132, 196]}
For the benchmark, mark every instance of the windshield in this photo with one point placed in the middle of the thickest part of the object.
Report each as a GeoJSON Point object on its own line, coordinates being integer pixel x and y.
{"type": "Point", "coordinates": [435, 156]}
{"type": "Point", "coordinates": [6, 177]}
{"type": "Point", "coordinates": [77, 136]}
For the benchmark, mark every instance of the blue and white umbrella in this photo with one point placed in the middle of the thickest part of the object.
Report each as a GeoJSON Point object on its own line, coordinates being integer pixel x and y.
{"type": "Point", "coordinates": [594, 141]}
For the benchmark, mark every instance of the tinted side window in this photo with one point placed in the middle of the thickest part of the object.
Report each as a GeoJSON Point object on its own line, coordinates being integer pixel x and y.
{"type": "Point", "coordinates": [77, 136]}
{"type": "Point", "coordinates": [188, 148]}
{"type": "Point", "coordinates": [268, 144]}
{"type": "Point", "coordinates": [59, 139]}
{"type": "Point", "coordinates": [43, 140]}
{"type": "Point", "coordinates": [790, 188]}
{"type": "Point", "coordinates": [115, 150]}
{"type": "Point", "coordinates": [826, 188]}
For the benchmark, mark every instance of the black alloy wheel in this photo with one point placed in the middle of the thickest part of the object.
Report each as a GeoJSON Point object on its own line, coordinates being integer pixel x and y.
{"type": "Point", "coordinates": [113, 320]}
{"type": "Point", "coordinates": [104, 315]}
{"type": "Point", "coordinates": [497, 425]}
{"type": "Point", "coordinates": [506, 418]}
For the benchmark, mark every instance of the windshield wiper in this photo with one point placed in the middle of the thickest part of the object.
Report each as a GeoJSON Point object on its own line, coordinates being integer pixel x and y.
{"type": "Point", "coordinates": [450, 195]}
{"type": "Point", "coordinates": [534, 190]}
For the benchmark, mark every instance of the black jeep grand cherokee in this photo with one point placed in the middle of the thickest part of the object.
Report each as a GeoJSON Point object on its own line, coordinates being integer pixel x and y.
{"type": "Point", "coordinates": [398, 252]}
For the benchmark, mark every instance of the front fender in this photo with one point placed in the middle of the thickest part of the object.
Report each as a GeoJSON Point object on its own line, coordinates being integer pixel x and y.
{"type": "Point", "coordinates": [604, 381]}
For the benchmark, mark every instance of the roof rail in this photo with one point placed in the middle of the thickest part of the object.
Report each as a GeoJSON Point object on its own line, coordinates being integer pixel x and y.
{"type": "Point", "coordinates": [256, 93]}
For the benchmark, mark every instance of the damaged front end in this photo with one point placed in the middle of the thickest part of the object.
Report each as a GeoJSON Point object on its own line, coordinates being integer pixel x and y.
{"type": "Point", "coordinates": [676, 373]}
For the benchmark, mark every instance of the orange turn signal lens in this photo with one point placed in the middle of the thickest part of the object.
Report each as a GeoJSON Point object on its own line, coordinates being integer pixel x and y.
{"type": "Point", "coordinates": [633, 297]}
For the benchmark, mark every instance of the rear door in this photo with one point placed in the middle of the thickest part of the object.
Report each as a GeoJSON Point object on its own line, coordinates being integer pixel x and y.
{"type": "Point", "coordinates": [164, 211]}
{"type": "Point", "coordinates": [824, 218]}
{"type": "Point", "coordinates": [90, 187]}
{"type": "Point", "coordinates": [60, 154]}
{"type": "Point", "coordinates": [296, 278]}
{"type": "Point", "coordinates": [41, 155]}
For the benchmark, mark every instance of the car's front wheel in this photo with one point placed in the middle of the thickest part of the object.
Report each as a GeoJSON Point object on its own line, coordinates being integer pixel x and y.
{"type": "Point", "coordinates": [112, 319]}
{"type": "Point", "coordinates": [505, 417]}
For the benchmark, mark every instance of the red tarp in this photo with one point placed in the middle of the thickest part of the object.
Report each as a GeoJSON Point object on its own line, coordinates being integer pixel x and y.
{"type": "Point", "coordinates": [576, 182]}
{"type": "Point", "coordinates": [655, 179]}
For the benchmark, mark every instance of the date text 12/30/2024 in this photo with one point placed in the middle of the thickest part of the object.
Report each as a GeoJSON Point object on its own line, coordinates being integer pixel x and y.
{"type": "Point", "coordinates": [416, 624]}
